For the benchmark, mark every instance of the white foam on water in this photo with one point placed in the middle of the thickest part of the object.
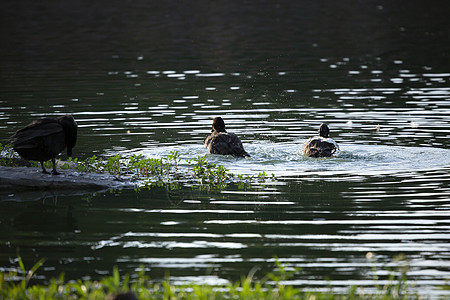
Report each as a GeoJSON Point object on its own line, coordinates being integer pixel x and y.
{"type": "Point", "coordinates": [287, 159]}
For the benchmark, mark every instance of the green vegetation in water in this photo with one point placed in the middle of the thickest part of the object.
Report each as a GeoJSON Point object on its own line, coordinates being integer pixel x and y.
{"type": "Point", "coordinates": [7, 156]}
{"type": "Point", "coordinates": [150, 172]}
{"type": "Point", "coordinates": [16, 285]}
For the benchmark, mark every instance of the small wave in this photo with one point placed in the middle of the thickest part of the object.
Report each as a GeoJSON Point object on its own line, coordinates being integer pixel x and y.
{"type": "Point", "coordinates": [287, 159]}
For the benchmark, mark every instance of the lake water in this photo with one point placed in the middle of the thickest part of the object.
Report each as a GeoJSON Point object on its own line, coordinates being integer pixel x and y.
{"type": "Point", "coordinates": [147, 78]}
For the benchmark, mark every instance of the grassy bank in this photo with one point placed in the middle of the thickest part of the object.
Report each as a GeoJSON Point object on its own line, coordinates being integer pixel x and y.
{"type": "Point", "coordinates": [17, 285]}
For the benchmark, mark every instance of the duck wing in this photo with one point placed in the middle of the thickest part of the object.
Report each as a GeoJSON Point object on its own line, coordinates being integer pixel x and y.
{"type": "Point", "coordinates": [320, 147]}
{"type": "Point", "coordinates": [25, 137]}
{"type": "Point", "coordinates": [236, 146]}
{"type": "Point", "coordinates": [225, 144]}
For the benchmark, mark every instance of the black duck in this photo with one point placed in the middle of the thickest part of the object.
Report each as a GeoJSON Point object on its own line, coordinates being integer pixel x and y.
{"type": "Point", "coordinates": [44, 139]}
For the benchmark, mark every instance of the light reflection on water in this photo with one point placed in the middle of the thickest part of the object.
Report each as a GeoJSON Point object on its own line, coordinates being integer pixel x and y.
{"type": "Point", "coordinates": [149, 89]}
{"type": "Point", "coordinates": [413, 116]}
{"type": "Point", "coordinates": [332, 227]}
{"type": "Point", "coordinates": [386, 193]}
{"type": "Point", "coordinates": [224, 232]}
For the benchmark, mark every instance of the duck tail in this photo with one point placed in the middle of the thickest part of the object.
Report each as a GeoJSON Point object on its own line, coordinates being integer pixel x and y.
{"type": "Point", "coordinates": [241, 153]}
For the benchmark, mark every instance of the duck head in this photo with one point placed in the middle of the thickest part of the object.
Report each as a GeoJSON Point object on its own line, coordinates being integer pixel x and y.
{"type": "Point", "coordinates": [324, 131]}
{"type": "Point", "coordinates": [218, 125]}
{"type": "Point", "coordinates": [70, 128]}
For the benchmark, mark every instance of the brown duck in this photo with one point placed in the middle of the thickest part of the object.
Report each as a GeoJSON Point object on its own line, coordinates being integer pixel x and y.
{"type": "Point", "coordinates": [321, 145]}
{"type": "Point", "coordinates": [44, 139]}
{"type": "Point", "coordinates": [222, 142]}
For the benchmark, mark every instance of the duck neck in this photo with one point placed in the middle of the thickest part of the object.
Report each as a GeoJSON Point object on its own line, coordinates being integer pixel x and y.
{"type": "Point", "coordinates": [219, 130]}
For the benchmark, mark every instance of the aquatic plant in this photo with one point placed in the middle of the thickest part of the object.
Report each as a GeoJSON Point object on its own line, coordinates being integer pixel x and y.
{"type": "Point", "coordinates": [208, 172]}
{"type": "Point", "coordinates": [16, 285]}
{"type": "Point", "coordinates": [7, 156]}
{"type": "Point", "coordinates": [166, 171]}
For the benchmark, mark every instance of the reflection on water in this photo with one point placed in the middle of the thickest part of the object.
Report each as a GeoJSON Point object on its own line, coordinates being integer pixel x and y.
{"type": "Point", "coordinates": [324, 226]}
{"type": "Point", "coordinates": [148, 78]}
{"type": "Point", "coordinates": [259, 108]}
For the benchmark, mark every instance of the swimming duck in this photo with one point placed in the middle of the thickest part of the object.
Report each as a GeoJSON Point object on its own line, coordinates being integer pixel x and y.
{"type": "Point", "coordinates": [44, 139]}
{"type": "Point", "coordinates": [321, 145]}
{"type": "Point", "coordinates": [222, 142]}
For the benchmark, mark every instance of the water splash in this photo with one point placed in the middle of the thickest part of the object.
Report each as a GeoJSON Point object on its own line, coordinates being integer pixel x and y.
{"type": "Point", "coordinates": [287, 159]}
